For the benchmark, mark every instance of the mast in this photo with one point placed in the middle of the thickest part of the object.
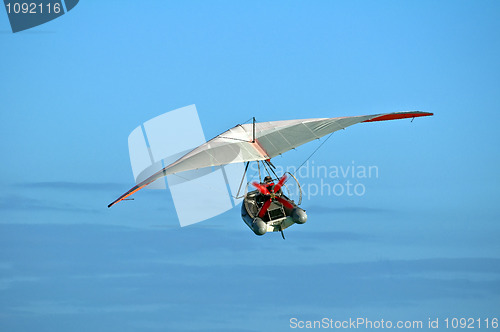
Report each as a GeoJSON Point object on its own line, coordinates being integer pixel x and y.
{"type": "Point", "coordinates": [253, 140]}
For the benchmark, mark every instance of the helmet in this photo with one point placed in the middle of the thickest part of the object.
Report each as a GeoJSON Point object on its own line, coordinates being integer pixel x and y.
{"type": "Point", "coordinates": [268, 179]}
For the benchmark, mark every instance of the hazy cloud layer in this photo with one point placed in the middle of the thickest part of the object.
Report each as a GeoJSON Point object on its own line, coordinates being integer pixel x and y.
{"type": "Point", "coordinates": [33, 205]}
{"type": "Point", "coordinates": [92, 273]}
{"type": "Point", "coordinates": [67, 185]}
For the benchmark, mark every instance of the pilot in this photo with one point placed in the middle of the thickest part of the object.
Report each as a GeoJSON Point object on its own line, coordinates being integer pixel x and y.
{"type": "Point", "coordinates": [268, 183]}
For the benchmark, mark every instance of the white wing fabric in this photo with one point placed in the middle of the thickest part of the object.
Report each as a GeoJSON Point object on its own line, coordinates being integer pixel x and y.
{"type": "Point", "coordinates": [271, 139]}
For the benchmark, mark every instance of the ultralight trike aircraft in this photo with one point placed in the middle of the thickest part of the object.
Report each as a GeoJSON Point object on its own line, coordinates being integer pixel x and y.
{"type": "Point", "coordinates": [267, 208]}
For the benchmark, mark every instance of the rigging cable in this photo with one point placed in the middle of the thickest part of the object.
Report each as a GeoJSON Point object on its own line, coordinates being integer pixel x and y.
{"type": "Point", "coordinates": [265, 167]}
{"type": "Point", "coordinates": [312, 153]}
{"type": "Point", "coordinates": [243, 178]}
{"type": "Point", "coordinates": [258, 164]}
{"type": "Point", "coordinates": [272, 170]}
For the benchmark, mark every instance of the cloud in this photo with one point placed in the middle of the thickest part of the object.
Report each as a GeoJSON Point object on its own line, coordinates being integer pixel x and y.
{"type": "Point", "coordinates": [348, 209]}
{"type": "Point", "coordinates": [6, 283]}
{"type": "Point", "coordinates": [64, 308]}
{"type": "Point", "coordinates": [77, 186]}
{"type": "Point", "coordinates": [89, 272]}
{"type": "Point", "coordinates": [22, 203]}
{"type": "Point", "coordinates": [336, 236]}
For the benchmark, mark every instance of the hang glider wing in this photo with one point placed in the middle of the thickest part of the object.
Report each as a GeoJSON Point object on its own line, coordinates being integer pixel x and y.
{"type": "Point", "coordinates": [271, 139]}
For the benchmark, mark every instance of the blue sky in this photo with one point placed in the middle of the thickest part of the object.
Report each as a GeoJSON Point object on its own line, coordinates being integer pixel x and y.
{"type": "Point", "coordinates": [421, 242]}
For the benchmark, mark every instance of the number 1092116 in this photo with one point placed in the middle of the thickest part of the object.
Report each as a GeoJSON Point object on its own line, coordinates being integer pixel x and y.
{"type": "Point", "coordinates": [33, 8]}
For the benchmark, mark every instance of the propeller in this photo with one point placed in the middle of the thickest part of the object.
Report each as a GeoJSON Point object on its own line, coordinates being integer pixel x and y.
{"type": "Point", "coordinates": [272, 195]}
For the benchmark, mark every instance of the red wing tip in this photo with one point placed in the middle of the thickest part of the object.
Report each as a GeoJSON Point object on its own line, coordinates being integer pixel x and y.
{"type": "Point", "coordinates": [396, 116]}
